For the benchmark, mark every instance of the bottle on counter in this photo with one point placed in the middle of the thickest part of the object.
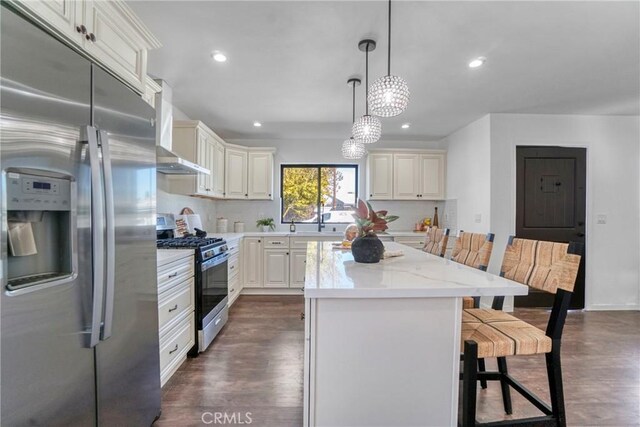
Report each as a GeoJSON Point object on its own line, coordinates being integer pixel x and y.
{"type": "Point", "coordinates": [292, 227]}
{"type": "Point", "coordinates": [435, 219]}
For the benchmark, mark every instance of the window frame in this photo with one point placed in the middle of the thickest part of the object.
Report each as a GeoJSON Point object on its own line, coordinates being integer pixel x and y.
{"type": "Point", "coordinates": [318, 166]}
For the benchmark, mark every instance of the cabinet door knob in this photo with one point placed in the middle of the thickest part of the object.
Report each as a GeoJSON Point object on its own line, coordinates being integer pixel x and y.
{"type": "Point", "coordinates": [246, 195]}
{"type": "Point", "coordinates": [302, 315]}
{"type": "Point", "coordinates": [92, 37]}
{"type": "Point", "coordinates": [81, 29]}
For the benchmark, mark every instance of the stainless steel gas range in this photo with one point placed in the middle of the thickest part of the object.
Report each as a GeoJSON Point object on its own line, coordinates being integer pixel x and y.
{"type": "Point", "coordinates": [211, 281]}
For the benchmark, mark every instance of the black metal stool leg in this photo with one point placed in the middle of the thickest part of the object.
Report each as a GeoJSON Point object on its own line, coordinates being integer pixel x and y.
{"type": "Point", "coordinates": [506, 392]}
{"type": "Point", "coordinates": [554, 372]}
{"type": "Point", "coordinates": [469, 383]}
{"type": "Point", "coordinates": [482, 368]}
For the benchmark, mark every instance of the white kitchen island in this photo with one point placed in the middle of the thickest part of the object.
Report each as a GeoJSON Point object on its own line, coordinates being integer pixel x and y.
{"type": "Point", "coordinates": [382, 341]}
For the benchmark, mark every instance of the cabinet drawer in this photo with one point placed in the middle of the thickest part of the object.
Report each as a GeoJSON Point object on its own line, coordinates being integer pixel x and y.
{"type": "Point", "coordinates": [174, 273]}
{"type": "Point", "coordinates": [301, 242]}
{"type": "Point", "coordinates": [234, 265]}
{"type": "Point", "coordinates": [176, 346]}
{"type": "Point", "coordinates": [276, 242]}
{"type": "Point", "coordinates": [234, 288]}
{"type": "Point", "coordinates": [173, 306]}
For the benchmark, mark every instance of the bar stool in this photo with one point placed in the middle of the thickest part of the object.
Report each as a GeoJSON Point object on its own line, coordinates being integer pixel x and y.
{"type": "Point", "coordinates": [548, 266]}
{"type": "Point", "coordinates": [474, 250]}
{"type": "Point", "coordinates": [436, 241]}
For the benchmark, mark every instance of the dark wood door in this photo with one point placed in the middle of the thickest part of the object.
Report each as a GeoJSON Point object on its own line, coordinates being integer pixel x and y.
{"type": "Point", "coordinates": [550, 205]}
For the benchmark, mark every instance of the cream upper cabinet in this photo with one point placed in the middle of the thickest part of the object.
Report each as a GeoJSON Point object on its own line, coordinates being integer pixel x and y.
{"type": "Point", "coordinates": [380, 176]}
{"type": "Point", "coordinates": [252, 261]}
{"type": "Point", "coordinates": [58, 15]}
{"type": "Point", "coordinates": [195, 142]}
{"type": "Point", "coordinates": [406, 176]}
{"type": "Point", "coordinates": [236, 173]}
{"type": "Point", "coordinates": [260, 179]}
{"type": "Point", "coordinates": [217, 173]}
{"type": "Point", "coordinates": [108, 31]}
{"type": "Point", "coordinates": [276, 268]}
{"type": "Point", "coordinates": [432, 172]}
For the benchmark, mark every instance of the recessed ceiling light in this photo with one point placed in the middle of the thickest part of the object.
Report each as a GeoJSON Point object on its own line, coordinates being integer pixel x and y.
{"type": "Point", "coordinates": [257, 124]}
{"type": "Point", "coordinates": [219, 56]}
{"type": "Point", "coordinates": [406, 125]}
{"type": "Point", "coordinates": [477, 62]}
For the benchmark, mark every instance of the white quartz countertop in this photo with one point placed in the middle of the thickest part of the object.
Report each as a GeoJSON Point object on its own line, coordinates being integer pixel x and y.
{"type": "Point", "coordinates": [332, 273]}
{"type": "Point", "coordinates": [165, 256]}
{"type": "Point", "coordinates": [337, 234]}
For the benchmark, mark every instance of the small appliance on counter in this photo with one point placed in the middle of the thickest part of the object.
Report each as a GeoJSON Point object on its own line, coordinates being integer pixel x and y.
{"type": "Point", "coordinates": [211, 279]}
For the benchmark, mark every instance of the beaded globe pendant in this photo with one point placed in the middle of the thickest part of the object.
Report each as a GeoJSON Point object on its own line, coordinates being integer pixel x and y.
{"type": "Point", "coordinates": [352, 149]}
{"type": "Point", "coordinates": [367, 128]}
{"type": "Point", "coordinates": [389, 95]}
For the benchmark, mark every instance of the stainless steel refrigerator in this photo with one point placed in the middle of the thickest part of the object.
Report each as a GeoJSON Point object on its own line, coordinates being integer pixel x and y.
{"type": "Point", "coordinates": [79, 325]}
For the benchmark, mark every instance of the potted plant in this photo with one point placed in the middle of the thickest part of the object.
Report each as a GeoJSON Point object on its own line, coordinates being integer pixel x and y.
{"type": "Point", "coordinates": [367, 248]}
{"type": "Point", "coordinates": [267, 224]}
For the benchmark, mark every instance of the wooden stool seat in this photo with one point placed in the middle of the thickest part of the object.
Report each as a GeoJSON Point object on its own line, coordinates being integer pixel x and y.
{"type": "Point", "coordinates": [507, 338]}
{"type": "Point", "coordinates": [467, 302]}
{"type": "Point", "coordinates": [488, 315]}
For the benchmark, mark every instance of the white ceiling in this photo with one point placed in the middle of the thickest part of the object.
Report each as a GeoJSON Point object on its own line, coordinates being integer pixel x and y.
{"type": "Point", "coordinates": [288, 62]}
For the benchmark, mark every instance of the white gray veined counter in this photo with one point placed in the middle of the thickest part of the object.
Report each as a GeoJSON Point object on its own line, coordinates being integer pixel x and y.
{"type": "Point", "coordinates": [382, 341]}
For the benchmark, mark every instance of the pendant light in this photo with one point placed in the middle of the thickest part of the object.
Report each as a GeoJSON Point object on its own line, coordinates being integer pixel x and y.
{"type": "Point", "coordinates": [367, 128]}
{"type": "Point", "coordinates": [351, 148]}
{"type": "Point", "coordinates": [389, 94]}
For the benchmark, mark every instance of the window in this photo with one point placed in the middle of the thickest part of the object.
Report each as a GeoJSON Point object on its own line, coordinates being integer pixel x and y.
{"type": "Point", "coordinates": [306, 190]}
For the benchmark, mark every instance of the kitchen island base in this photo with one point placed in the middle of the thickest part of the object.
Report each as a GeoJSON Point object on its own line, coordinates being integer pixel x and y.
{"type": "Point", "coordinates": [382, 361]}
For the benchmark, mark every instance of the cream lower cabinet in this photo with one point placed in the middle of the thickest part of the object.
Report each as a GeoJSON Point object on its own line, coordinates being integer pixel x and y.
{"type": "Point", "coordinates": [252, 260]}
{"type": "Point", "coordinates": [297, 267]}
{"type": "Point", "coordinates": [176, 304]}
{"type": "Point", "coordinates": [108, 31]}
{"type": "Point", "coordinates": [276, 268]}
{"type": "Point", "coordinates": [234, 270]}
{"type": "Point", "coordinates": [416, 242]}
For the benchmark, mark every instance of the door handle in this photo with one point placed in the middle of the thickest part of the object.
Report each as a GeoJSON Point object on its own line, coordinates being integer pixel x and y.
{"type": "Point", "coordinates": [111, 236]}
{"type": "Point", "coordinates": [580, 234]}
{"type": "Point", "coordinates": [89, 135]}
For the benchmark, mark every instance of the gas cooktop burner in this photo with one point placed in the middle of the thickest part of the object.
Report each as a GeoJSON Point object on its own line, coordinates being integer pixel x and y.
{"type": "Point", "coordinates": [188, 242]}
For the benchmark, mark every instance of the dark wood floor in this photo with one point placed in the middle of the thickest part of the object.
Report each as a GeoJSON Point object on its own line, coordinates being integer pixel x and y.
{"type": "Point", "coordinates": [255, 365]}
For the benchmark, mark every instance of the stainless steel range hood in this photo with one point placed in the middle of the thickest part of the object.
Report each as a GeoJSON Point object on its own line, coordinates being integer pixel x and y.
{"type": "Point", "coordinates": [167, 161]}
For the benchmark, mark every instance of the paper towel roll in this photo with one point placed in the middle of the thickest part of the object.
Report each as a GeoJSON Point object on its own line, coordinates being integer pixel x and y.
{"type": "Point", "coordinates": [21, 241]}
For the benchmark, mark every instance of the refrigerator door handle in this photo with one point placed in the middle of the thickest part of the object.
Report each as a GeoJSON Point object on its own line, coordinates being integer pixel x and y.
{"type": "Point", "coordinates": [97, 233]}
{"type": "Point", "coordinates": [111, 236]}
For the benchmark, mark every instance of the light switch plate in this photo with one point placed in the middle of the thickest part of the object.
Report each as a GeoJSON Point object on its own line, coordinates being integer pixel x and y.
{"type": "Point", "coordinates": [601, 219]}
{"type": "Point", "coordinates": [477, 218]}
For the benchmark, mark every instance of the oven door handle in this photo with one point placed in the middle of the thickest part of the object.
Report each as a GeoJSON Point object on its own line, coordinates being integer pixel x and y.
{"type": "Point", "coordinates": [215, 261]}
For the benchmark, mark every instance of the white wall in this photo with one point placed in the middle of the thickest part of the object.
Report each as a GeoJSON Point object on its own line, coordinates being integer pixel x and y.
{"type": "Point", "coordinates": [613, 181]}
{"type": "Point", "coordinates": [469, 175]}
{"type": "Point", "coordinates": [306, 151]}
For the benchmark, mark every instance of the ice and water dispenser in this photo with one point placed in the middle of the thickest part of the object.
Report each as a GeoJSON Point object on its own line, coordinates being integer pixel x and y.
{"type": "Point", "coordinates": [40, 229]}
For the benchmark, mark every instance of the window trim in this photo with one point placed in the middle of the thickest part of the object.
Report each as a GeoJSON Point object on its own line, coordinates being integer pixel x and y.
{"type": "Point", "coordinates": [318, 166]}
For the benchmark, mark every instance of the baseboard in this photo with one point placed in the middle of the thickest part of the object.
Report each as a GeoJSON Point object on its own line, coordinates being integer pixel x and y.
{"type": "Point", "coordinates": [272, 291]}
{"type": "Point", "coordinates": [612, 307]}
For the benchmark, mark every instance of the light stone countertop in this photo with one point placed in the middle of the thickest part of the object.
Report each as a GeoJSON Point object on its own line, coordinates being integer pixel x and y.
{"type": "Point", "coordinates": [332, 273]}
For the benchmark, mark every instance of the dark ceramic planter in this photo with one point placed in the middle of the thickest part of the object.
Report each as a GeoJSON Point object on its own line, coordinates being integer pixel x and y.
{"type": "Point", "coordinates": [367, 249]}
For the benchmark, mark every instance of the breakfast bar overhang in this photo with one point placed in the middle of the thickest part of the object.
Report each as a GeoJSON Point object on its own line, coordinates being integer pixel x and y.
{"type": "Point", "coordinates": [382, 341]}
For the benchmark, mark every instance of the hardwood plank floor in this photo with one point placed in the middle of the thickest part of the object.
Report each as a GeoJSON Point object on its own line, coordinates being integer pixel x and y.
{"type": "Point", "coordinates": [255, 365]}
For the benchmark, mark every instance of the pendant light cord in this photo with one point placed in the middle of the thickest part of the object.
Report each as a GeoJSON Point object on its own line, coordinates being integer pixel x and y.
{"type": "Point", "coordinates": [366, 79]}
{"type": "Point", "coordinates": [389, 43]}
{"type": "Point", "coordinates": [353, 104]}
